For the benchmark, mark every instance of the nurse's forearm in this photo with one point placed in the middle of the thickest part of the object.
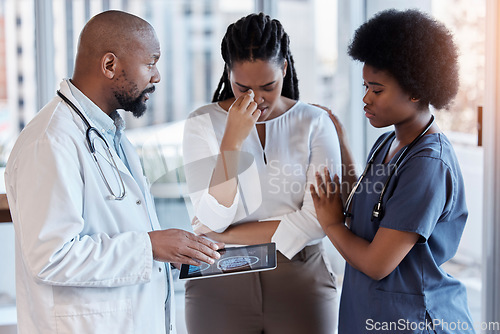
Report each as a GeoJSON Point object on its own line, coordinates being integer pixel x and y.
{"type": "Point", "coordinates": [250, 233]}
{"type": "Point", "coordinates": [350, 246]}
{"type": "Point", "coordinates": [377, 258]}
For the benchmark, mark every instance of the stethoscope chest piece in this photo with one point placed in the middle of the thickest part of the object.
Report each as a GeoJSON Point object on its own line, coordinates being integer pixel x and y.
{"type": "Point", "coordinates": [378, 212]}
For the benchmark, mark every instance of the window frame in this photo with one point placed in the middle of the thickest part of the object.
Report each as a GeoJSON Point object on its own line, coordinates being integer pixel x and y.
{"type": "Point", "coordinates": [491, 140]}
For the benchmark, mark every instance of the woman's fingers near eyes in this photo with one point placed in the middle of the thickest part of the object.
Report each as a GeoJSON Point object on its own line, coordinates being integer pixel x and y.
{"type": "Point", "coordinates": [252, 106]}
{"type": "Point", "coordinates": [248, 98]}
{"type": "Point", "coordinates": [256, 114]}
{"type": "Point", "coordinates": [244, 100]}
{"type": "Point", "coordinates": [248, 105]}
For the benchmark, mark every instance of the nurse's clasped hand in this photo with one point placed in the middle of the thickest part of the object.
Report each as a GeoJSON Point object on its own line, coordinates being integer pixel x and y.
{"type": "Point", "coordinates": [376, 258]}
{"type": "Point", "coordinates": [179, 246]}
{"type": "Point", "coordinates": [241, 119]}
{"type": "Point", "coordinates": [328, 201]}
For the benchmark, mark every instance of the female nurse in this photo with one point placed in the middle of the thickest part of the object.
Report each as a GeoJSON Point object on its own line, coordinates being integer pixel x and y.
{"type": "Point", "coordinates": [407, 211]}
{"type": "Point", "coordinates": [266, 146]}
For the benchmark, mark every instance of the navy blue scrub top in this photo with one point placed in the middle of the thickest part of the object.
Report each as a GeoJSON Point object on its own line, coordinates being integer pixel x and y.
{"type": "Point", "coordinates": [425, 196]}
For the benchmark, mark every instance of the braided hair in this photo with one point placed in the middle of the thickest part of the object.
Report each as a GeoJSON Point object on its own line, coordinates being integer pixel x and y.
{"type": "Point", "coordinates": [256, 37]}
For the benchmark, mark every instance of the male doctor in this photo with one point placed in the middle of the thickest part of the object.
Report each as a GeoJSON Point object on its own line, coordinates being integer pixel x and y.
{"type": "Point", "coordinates": [88, 260]}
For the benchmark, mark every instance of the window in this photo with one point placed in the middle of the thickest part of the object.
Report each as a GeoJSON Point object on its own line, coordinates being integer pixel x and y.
{"type": "Point", "coordinates": [460, 124]}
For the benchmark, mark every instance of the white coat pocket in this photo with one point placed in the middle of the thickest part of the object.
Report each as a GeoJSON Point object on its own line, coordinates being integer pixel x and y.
{"type": "Point", "coordinates": [97, 318]}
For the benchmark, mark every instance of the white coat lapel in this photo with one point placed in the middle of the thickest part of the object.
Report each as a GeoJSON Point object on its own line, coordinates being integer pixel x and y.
{"type": "Point", "coordinates": [64, 88]}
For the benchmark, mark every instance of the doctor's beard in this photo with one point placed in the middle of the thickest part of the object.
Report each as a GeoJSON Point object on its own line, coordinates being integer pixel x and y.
{"type": "Point", "coordinates": [137, 106]}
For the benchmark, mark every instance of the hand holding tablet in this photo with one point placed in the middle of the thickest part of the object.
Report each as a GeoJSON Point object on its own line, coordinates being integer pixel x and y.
{"type": "Point", "coordinates": [234, 260]}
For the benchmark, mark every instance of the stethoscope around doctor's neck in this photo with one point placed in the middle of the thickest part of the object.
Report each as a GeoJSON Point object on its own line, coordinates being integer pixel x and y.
{"type": "Point", "coordinates": [378, 209]}
{"type": "Point", "coordinates": [91, 143]}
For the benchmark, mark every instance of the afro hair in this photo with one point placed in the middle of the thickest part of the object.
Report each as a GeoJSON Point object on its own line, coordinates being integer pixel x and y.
{"type": "Point", "coordinates": [415, 49]}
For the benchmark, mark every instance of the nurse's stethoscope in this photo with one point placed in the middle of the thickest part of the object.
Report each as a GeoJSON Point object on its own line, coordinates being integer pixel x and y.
{"type": "Point", "coordinates": [91, 143]}
{"type": "Point", "coordinates": [378, 210]}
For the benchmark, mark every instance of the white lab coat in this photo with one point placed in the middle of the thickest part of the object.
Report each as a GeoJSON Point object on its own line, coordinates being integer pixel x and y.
{"type": "Point", "coordinates": [84, 263]}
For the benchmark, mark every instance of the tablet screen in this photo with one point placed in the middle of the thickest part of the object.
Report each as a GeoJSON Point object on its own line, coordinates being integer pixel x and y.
{"type": "Point", "coordinates": [235, 260]}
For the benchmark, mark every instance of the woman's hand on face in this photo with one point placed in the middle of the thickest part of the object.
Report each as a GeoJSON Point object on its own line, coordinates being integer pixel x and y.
{"type": "Point", "coordinates": [327, 200]}
{"type": "Point", "coordinates": [242, 116]}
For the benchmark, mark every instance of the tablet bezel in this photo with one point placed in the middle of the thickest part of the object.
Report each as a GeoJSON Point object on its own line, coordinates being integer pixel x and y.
{"type": "Point", "coordinates": [230, 251]}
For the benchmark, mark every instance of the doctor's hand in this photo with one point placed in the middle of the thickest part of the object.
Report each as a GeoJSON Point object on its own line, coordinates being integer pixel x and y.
{"type": "Point", "coordinates": [179, 246]}
{"type": "Point", "coordinates": [327, 201]}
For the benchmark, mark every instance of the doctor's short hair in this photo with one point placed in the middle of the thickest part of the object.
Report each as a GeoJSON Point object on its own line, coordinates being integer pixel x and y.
{"type": "Point", "coordinates": [256, 37]}
{"type": "Point", "coordinates": [418, 51]}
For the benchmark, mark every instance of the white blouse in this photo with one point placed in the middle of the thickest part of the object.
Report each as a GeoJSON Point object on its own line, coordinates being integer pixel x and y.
{"type": "Point", "coordinates": [273, 182]}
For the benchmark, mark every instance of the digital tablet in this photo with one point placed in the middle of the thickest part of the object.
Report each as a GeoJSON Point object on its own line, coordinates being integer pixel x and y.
{"type": "Point", "coordinates": [234, 260]}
